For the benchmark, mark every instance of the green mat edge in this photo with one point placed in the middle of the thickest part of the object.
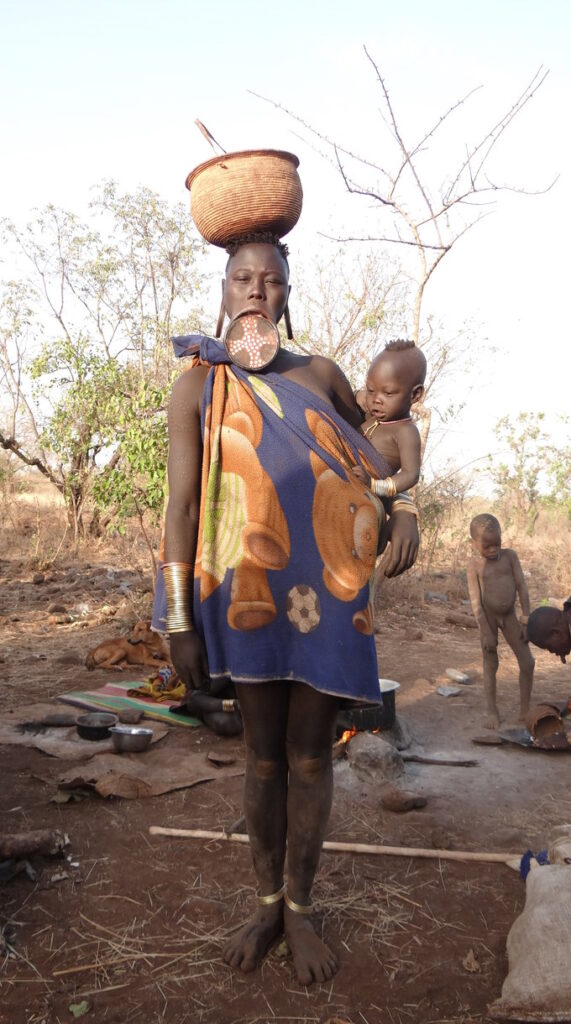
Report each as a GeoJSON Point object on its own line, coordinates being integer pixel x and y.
{"type": "Point", "coordinates": [80, 698]}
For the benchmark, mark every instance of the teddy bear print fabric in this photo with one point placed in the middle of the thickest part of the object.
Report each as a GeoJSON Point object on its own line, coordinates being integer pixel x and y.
{"type": "Point", "coordinates": [287, 537]}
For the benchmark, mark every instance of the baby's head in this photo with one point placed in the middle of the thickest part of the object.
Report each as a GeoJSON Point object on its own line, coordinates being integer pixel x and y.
{"type": "Point", "coordinates": [486, 534]}
{"type": "Point", "coordinates": [548, 628]}
{"type": "Point", "coordinates": [395, 381]}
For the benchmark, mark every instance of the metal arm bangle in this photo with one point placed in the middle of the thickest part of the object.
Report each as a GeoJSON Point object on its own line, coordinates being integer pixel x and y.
{"type": "Point", "coordinates": [178, 577]}
{"type": "Point", "coordinates": [384, 488]}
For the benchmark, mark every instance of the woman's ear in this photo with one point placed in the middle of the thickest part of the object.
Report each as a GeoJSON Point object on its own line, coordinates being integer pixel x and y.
{"type": "Point", "coordinates": [222, 313]}
{"type": "Point", "coordinates": [287, 318]}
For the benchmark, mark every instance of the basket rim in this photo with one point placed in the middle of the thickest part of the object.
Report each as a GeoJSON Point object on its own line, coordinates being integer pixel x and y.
{"type": "Point", "coordinates": [242, 152]}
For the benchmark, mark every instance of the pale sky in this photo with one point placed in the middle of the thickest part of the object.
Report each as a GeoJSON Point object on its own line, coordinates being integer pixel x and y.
{"type": "Point", "coordinates": [110, 89]}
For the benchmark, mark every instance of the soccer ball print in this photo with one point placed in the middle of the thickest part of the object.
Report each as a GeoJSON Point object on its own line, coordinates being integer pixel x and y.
{"type": "Point", "coordinates": [303, 608]}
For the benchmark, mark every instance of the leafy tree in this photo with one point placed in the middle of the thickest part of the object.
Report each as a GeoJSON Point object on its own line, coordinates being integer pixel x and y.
{"type": "Point", "coordinates": [534, 472]}
{"type": "Point", "coordinates": [107, 295]}
{"type": "Point", "coordinates": [135, 485]}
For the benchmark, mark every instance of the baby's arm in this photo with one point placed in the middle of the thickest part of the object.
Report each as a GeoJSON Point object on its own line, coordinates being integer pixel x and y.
{"type": "Point", "coordinates": [408, 440]}
{"type": "Point", "coordinates": [486, 634]}
{"type": "Point", "coordinates": [521, 587]}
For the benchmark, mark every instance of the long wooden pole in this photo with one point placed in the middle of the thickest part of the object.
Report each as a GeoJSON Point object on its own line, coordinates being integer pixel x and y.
{"type": "Point", "coordinates": [387, 851]}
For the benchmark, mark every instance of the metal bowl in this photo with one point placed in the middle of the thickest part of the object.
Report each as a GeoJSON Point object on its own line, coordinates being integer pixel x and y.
{"type": "Point", "coordinates": [95, 725]}
{"type": "Point", "coordinates": [130, 738]}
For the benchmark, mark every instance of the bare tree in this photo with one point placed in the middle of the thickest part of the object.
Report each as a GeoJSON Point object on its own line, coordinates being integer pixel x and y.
{"type": "Point", "coordinates": [348, 306]}
{"type": "Point", "coordinates": [414, 213]}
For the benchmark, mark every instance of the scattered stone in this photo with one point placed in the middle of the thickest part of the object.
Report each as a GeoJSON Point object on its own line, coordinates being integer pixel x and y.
{"type": "Point", "coordinates": [440, 839]}
{"type": "Point", "coordinates": [459, 619]}
{"type": "Point", "coordinates": [130, 716]}
{"type": "Point", "coordinates": [60, 620]}
{"type": "Point", "coordinates": [448, 691]}
{"type": "Point", "coordinates": [370, 754]}
{"type": "Point", "coordinates": [38, 578]}
{"type": "Point", "coordinates": [413, 634]}
{"type": "Point", "coordinates": [457, 676]}
{"type": "Point", "coordinates": [435, 595]}
{"type": "Point", "coordinates": [218, 758]}
{"type": "Point", "coordinates": [56, 606]}
{"type": "Point", "coordinates": [60, 876]}
{"type": "Point", "coordinates": [69, 658]}
{"type": "Point", "coordinates": [400, 734]}
{"type": "Point", "coordinates": [470, 963]}
{"type": "Point", "coordinates": [399, 800]}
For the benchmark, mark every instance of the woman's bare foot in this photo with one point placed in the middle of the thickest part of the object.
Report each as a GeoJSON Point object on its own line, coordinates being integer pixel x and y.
{"type": "Point", "coordinates": [312, 959]}
{"type": "Point", "coordinates": [491, 720]}
{"type": "Point", "coordinates": [246, 949]}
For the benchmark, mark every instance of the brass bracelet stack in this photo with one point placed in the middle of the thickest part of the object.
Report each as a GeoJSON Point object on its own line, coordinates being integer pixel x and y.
{"type": "Point", "coordinates": [384, 488]}
{"type": "Point", "coordinates": [177, 576]}
{"type": "Point", "coordinates": [404, 503]}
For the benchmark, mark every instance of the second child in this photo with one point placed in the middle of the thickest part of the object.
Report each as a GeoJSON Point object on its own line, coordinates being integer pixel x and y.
{"type": "Point", "coordinates": [495, 579]}
{"type": "Point", "coordinates": [395, 381]}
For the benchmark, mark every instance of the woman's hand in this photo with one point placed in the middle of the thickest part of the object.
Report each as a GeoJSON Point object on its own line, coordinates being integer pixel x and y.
{"type": "Point", "coordinates": [188, 655]}
{"type": "Point", "coordinates": [402, 530]}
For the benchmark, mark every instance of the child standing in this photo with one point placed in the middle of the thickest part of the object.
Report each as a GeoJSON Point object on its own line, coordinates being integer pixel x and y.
{"type": "Point", "coordinates": [394, 382]}
{"type": "Point", "coordinates": [495, 578]}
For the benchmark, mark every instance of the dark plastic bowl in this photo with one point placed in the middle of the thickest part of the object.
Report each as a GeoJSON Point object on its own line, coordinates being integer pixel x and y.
{"type": "Point", "coordinates": [95, 725]}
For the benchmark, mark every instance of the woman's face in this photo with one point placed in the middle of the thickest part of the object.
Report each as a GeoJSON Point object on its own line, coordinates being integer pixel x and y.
{"type": "Point", "coordinates": [256, 279]}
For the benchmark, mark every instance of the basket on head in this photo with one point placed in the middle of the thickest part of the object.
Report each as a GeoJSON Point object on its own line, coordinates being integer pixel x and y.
{"type": "Point", "coordinates": [240, 193]}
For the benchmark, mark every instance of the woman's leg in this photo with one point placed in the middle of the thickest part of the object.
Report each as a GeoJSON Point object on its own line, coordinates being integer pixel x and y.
{"type": "Point", "coordinates": [264, 708]}
{"type": "Point", "coordinates": [310, 728]}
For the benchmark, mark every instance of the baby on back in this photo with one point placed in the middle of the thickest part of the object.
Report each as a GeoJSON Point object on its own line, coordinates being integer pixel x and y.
{"type": "Point", "coordinates": [395, 380]}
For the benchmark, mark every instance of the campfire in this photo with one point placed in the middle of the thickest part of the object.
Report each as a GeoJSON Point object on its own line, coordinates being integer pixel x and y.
{"type": "Point", "coordinates": [340, 746]}
{"type": "Point", "coordinates": [362, 717]}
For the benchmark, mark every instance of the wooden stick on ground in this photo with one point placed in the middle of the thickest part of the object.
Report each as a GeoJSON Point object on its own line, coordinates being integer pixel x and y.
{"type": "Point", "coordinates": [459, 619]}
{"type": "Point", "coordinates": [387, 851]}
{"type": "Point", "coordinates": [24, 844]}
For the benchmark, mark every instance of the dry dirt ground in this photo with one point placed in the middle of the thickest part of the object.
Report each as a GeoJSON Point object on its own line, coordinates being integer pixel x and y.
{"type": "Point", "coordinates": [135, 930]}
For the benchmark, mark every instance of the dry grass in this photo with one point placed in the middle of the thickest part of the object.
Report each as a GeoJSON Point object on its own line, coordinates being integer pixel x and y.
{"type": "Point", "coordinates": [35, 530]}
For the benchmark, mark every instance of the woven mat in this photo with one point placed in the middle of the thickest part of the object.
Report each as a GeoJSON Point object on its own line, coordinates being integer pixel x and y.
{"type": "Point", "coordinates": [113, 697]}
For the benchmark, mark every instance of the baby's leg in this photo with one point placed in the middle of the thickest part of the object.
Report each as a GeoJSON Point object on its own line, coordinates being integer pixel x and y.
{"type": "Point", "coordinates": [513, 632]}
{"type": "Point", "coordinates": [489, 641]}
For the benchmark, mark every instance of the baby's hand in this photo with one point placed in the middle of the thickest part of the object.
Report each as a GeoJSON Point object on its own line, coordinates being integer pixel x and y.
{"type": "Point", "coordinates": [361, 475]}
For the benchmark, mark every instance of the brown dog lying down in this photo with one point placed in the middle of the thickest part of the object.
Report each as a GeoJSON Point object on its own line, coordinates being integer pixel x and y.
{"type": "Point", "coordinates": [141, 647]}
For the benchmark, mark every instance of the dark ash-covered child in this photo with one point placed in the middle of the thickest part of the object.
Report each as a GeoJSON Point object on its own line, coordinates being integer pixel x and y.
{"type": "Point", "coordinates": [395, 381]}
{"type": "Point", "coordinates": [495, 579]}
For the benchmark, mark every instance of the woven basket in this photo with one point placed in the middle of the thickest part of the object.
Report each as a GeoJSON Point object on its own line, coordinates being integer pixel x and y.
{"type": "Point", "coordinates": [235, 194]}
